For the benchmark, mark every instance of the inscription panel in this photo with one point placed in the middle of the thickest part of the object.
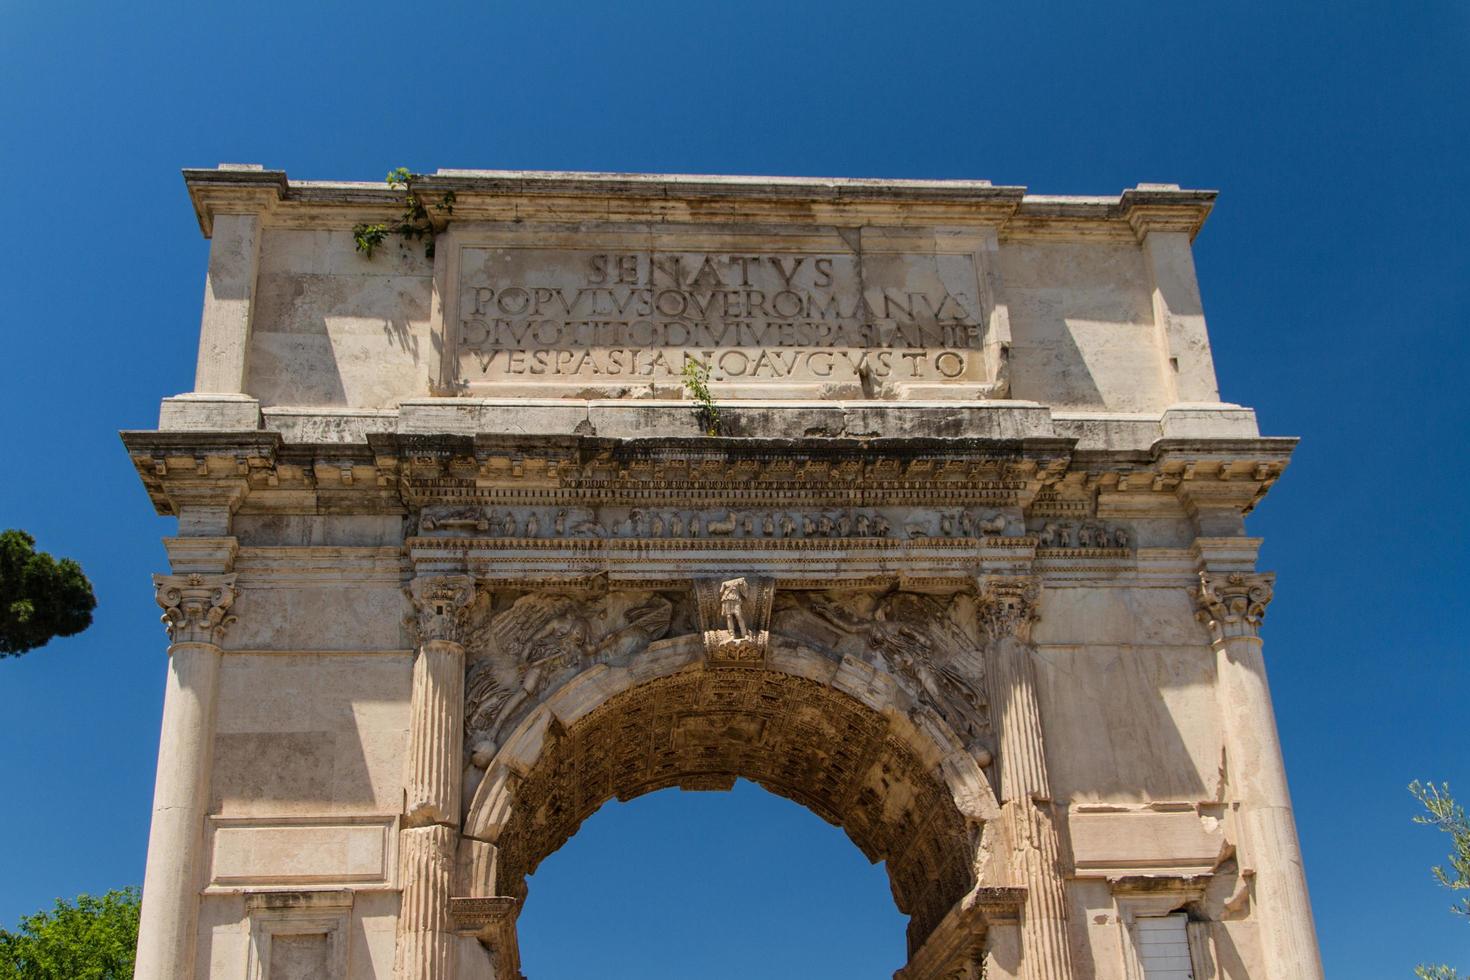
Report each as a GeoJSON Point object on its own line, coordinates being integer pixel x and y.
{"type": "Point", "coordinates": [617, 320]}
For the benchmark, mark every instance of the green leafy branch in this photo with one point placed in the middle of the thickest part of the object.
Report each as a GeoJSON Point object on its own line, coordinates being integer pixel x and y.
{"type": "Point", "coordinates": [696, 382]}
{"type": "Point", "coordinates": [413, 224]}
{"type": "Point", "coordinates": [1443, 813]}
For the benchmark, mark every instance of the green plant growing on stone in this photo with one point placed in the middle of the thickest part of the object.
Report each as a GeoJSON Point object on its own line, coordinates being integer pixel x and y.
{"type": "Point", "coordinates": [40, 597]}
{"type": "Point", "coordinates": [1442, 812]}
{"type": "Point", "coordinates": [91, 939]}
{"type": "Point", "coordinates": [696, 382]}
{"type": "Point", "coordinates": [413, 224]}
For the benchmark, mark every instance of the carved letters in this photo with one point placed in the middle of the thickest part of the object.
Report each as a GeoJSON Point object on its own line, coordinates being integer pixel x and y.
{"type": "Point", "coordinates": [531, 315]}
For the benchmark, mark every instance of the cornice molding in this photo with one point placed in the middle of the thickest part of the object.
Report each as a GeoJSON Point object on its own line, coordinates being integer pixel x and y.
{"type": "Point", "coordinates": [559, 197]}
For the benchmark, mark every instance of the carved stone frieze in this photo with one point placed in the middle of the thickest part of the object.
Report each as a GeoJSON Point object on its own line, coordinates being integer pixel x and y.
{"type": "Point", "coordinates": [1233, 604]}
{"type": "Point", "coordinates": [517, 654]}
{"type": "Point", "coordinates": [441, 606]}
{"type": "Point", "coordinates": [925, 642]}
{"type": "Point", "coordinates": [1082, 535]}
{"type": "Point", "coordinates": [196, 608]}
{"type": "Point", "coordinates": [735, 617]}
{"type": "Point", "coordinates": [755, 523]}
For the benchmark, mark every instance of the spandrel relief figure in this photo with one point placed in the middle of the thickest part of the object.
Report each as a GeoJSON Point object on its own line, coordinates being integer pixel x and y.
{"type": "Point", "coordinates": [922, 641]}
{"type": "Point", "coordinates": [542, 639]}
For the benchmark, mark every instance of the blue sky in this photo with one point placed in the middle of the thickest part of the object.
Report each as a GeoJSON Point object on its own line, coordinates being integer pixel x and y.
{"type": "Point", "coordinates": [1334, 272]}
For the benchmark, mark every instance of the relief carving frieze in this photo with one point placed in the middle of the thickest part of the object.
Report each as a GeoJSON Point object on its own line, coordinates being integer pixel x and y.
{"type": "Point", "coordinates": [1086, 535]}
{"type": "Point", "coordinates": [927, 643]}
{"type": "Point", "coordinates": [754, 523]}
{"type": "Point", "coordinates": [518, 653]}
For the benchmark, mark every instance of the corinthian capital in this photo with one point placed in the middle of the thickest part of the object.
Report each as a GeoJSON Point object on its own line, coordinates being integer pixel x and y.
{"type": "Point", "coordinates": [1008, 607]}
{"type": "Point", "coordinates": [196, 607]}
{"type": "Point", "coordinates": [1233, 604]}
{"type": "Point", "coordinates": [441, 606]}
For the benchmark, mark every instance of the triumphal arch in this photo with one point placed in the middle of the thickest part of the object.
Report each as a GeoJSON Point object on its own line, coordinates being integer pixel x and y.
{"type": "Point", "coordinates": [912, 501]}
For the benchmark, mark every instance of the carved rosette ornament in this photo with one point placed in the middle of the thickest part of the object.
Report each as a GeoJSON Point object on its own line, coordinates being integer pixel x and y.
{"type": "Point", "coordinates": [735, 615]}
{"type": "Point", "coordinates": [196, 608]}
{"type": "Point", "coordinates": [1233, 604]}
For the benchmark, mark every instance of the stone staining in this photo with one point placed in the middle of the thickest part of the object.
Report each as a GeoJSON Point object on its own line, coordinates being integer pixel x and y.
{"type": "Point", "coordinates": [703, 728]}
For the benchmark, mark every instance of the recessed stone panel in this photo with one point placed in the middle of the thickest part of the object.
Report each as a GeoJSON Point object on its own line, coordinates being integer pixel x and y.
{"type": "Point", "coordinates": [262, 852]}
{"type": "Point", "coordinates": [839, 318]}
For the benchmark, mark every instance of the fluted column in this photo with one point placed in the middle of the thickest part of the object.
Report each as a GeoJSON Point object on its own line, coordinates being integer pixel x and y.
{"type": "Point", "coordinates": [1008, 606]}
{"type": "Point", "coordinates": [430, 834]}
{"type": "Point", "coordinates": [1232, 605]}
{"type": "Point", "coordinates": [196, 612]}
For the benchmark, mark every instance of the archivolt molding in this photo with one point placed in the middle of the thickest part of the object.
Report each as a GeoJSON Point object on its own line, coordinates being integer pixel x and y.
{"type": "Point", "coordinates": [866, 708]}
{"type": "Point", "coordinates": [701, 728]}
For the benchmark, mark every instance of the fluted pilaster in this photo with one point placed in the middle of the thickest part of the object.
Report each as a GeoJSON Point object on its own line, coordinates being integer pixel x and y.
{"type": "Point", "coordinates": [430, 835]}
{"type": "Point", "coordinates": [425, 933]}
{"type": "Point", "coordinates": [1008, 607]}
{"type": "Point", "coordinates": [436, 713]}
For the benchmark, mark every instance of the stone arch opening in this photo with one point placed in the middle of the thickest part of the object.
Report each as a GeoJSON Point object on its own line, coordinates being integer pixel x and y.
{"type": "Point", "coordinates": [693, 884]}
{"type": "Point", "coordinates": [902, 789]}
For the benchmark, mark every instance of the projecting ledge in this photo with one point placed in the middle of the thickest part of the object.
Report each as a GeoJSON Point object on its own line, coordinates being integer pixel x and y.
{"type": "Point", "coordinates": [961, 934]}
{"type": "Point", "coordinates": [624, 418]}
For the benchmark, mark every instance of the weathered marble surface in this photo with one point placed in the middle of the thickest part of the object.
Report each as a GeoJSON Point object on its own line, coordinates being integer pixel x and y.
{"type": "Point", "coordinates": [965, 571]}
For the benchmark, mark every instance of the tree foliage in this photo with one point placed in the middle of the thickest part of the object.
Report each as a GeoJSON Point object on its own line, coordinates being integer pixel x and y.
{"type": "Point", "coordinates": [1443, 812]}
{"type": "Point", "coordinates": [93, 939]}
{"type": "Point", "coordinates": [40, 597]}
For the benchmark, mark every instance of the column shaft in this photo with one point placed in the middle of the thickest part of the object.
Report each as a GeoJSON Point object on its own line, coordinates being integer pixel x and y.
{"type": "Point", "coordinates": [171, 879]}
{"type": "Point", "coordinates": [1257, 776]}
